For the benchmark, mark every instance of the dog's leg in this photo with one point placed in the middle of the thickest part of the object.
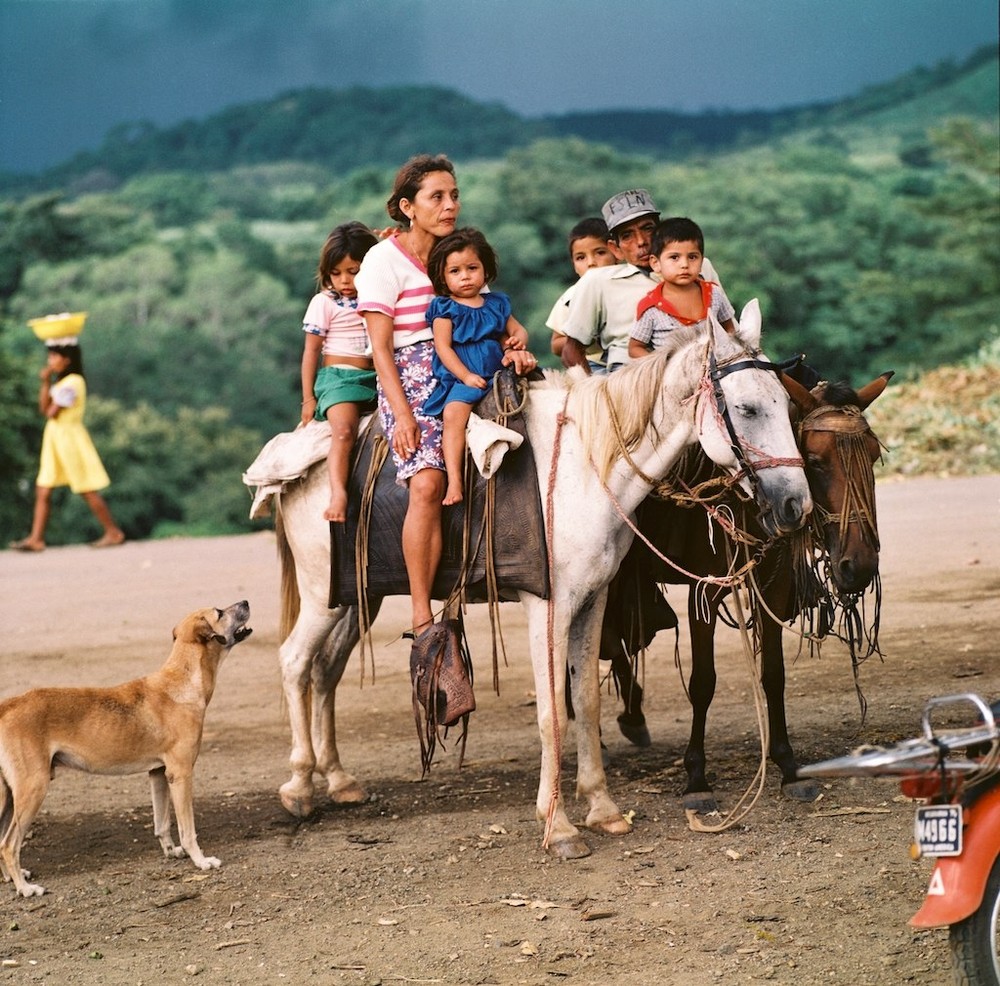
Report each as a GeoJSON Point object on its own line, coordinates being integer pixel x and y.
{"type": "Point", "coordinates": [20, 807]}
{"type": "Point", "coordinates": [161, 813]}
{"type": "Point", "coordinates": [6, 814]}
{"type": "Point", "coordinates": [182, 795]}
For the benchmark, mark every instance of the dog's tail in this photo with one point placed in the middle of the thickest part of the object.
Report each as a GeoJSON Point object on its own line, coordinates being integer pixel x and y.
{"type": "Point", "coordinates": [291, 602]}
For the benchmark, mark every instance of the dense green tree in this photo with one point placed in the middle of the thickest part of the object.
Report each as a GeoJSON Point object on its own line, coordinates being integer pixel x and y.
{"type": "Point", "coordinates": [169, 475]}
{"type": "Point", "coordinates": [871, 243]}
{"type": "Point", "coordinates": [172, 198]}
{"type": "Point", "coordinates": [286, 191]}
{"type": "Point", "coordinates": [33, 230]}
{"type": "Point", "coordinates": [20, 441]}
{"type": "Point", "coordinates": [554, 183]}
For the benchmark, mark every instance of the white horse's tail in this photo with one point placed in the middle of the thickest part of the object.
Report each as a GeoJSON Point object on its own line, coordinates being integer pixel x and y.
{"type": "Point", "coordinates": [291, 602]}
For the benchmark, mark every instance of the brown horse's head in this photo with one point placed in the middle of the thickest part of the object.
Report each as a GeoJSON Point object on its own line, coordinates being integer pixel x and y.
{"type": "Point", "coordinates": [840, 450]}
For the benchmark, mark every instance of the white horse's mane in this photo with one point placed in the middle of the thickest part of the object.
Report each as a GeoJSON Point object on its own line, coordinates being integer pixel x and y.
{"type": "Point", "coordinates": [615, 411]}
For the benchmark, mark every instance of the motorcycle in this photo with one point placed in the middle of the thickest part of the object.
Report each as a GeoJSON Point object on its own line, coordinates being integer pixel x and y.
{"type": "Point", "coordinates": [955, 771]}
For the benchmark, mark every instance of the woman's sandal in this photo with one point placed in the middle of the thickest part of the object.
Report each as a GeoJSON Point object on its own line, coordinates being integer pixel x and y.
{"type": "Point", "coordinates": [26, 544]}
{"type": "Point", "coordinates": [108, 541]}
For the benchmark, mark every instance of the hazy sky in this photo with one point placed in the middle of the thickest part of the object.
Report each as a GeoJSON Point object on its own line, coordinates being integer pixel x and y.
{"type": "Point", "coordinates": [72, 69]}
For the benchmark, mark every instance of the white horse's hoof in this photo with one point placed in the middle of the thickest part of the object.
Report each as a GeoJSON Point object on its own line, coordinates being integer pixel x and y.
{"type": "Point", "coordinates": [295, 802]}
{"type": "Point", "coordinates": [26, 889]}
{"type": "Point", "coordinates": [616, 825]}
{"type": "Point", "coordinates": [574, 848]}
{"type": "Point", "coordinates": [349, 794]}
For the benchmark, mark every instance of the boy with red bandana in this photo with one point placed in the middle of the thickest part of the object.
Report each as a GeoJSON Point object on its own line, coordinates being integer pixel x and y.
{"type": "Point", "coordinates": [683, 297]}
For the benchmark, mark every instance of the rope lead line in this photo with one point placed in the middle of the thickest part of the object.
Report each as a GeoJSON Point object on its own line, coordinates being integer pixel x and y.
{"type": "Point", "coordinates": [550, 625]}
{"type": "Point", "coordinates": [742, 807]}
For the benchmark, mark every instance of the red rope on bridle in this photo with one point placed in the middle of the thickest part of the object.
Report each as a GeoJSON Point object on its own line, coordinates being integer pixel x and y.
{"type": "Point", "coordinates": [740, 444]}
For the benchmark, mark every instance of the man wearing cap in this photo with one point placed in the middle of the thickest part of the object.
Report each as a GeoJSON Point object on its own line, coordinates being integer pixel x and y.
{"type": "Point", "coordinates": [605, 298]}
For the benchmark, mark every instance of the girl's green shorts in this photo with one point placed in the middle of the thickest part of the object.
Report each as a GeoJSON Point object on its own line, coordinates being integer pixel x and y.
{"type": "Point", "coordinates": [344, 385]}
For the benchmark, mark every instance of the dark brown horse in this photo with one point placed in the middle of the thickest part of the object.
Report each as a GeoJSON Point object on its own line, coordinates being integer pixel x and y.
{"type": "Point", "coordinates": [821, 574]}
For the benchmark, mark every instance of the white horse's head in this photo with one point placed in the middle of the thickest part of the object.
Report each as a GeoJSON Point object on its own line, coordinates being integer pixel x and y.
{"type": "Point", "coordinates": [744, 425]}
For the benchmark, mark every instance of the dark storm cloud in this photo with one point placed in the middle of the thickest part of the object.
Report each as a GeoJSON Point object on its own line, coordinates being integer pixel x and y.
{"type": "Point", "coordinates": [72, 69]}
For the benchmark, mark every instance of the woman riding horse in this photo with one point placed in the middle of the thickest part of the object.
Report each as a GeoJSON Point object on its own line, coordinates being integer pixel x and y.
{"type": "Point", "coordinates": [393, 294]}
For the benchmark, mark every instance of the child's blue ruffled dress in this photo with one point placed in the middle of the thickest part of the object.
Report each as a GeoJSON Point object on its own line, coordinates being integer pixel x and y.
{"type": "Point", "coordinates": [475, 335]}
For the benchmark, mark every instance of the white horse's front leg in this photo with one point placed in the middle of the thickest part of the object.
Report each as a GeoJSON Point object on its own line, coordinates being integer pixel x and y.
{"type": "Point", "coordinates": [585, 685]}
{"type": "Point", "coordinates": [296, 655]}
{"type": "Point", "coordinates": [564, 838]}
{"type": "Point", "coordinates": [327, 671]}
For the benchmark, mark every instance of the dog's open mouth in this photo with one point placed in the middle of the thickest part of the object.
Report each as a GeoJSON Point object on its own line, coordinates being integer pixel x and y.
{"type": "Point", "coordinates": [237, 617]}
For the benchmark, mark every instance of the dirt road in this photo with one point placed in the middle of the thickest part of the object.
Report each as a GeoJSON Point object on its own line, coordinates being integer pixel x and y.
{"type": "Point", "coordinates": [444, 881]}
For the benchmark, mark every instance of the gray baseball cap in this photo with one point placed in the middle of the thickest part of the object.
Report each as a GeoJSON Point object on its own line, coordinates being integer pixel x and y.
{"type": "Point", "coordinates": [626, 206]}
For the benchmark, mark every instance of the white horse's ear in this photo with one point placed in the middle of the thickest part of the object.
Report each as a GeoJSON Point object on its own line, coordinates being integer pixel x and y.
{"type": "Point", "coordinates": [719, 335]}
{"type": "Point", "coordinates": [748, 327]}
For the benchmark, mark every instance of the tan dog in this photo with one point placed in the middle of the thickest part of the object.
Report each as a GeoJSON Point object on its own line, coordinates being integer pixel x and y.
{"type": "Point", "coordinates": [152, 723]}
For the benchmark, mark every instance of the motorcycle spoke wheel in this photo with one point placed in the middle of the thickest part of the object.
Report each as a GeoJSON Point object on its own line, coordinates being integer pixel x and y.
{"type": "Point", "coordinates": [975, 942]}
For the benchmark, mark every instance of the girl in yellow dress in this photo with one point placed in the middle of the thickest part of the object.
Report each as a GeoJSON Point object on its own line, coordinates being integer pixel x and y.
{"type": "Point", "coordinates": [68, 455]}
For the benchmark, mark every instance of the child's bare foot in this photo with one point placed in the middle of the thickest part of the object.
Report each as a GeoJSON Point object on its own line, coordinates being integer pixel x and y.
{"type": "Point", "coordinates": [336, 509]}
{"type": "Point", "coordinates": [27, 544]}
{"type": "Point", "coordinates": [453, 494]}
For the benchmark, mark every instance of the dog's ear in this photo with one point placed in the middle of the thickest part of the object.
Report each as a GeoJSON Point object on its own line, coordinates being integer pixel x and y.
{"type": "Point", "coordinates": [204, 631]}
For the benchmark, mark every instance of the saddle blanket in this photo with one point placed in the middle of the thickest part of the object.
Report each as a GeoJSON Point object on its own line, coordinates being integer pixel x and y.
{"type": "Point", "coordinates": [284, 459]}
{"type": "Point", "coordinates": [509, 552]}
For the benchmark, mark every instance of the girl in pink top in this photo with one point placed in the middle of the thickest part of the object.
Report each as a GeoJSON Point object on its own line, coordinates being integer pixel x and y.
{"type": "Point", "coordinates": [338, 382]}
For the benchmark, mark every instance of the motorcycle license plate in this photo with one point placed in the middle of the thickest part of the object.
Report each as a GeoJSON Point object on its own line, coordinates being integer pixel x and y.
{"type": "Point", "coordinates": [937, 830]}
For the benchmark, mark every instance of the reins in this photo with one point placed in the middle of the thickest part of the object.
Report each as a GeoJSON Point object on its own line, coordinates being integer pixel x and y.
{"type": "Point", "coordinates": [710, 384]}
{"type": "Point", "coordinates": [734, 581]}
{"type": "Point", "coordinates": [849, 424]}
{"type": "Point", "coordinates": [380, 452]}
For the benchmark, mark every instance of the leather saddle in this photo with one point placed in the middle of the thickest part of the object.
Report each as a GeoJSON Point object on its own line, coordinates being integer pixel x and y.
{"type": "Point", "coordinates": [494, 540]}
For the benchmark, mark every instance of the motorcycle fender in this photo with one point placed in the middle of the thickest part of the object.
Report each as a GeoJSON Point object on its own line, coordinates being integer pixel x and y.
{"type": "Point", "coordinates": [957, 883]}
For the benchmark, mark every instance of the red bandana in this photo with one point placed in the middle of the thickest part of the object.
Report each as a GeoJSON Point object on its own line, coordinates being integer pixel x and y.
{"type": "Point", "coordinates": [655, 299]}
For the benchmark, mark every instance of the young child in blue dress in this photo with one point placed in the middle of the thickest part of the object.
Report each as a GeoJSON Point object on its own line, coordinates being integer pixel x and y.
{"type": "Point", "coordinates": [338, 381]}
{"type": "Point", "coordinates": [473, 331]}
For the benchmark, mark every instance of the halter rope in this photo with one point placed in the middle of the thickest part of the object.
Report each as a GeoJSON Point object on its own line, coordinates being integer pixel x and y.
{"type": "Point", "coordinates": [550, 814]}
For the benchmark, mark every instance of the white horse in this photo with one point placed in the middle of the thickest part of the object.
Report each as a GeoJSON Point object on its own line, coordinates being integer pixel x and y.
{"type": "Point", "coordinates": [594, 475]}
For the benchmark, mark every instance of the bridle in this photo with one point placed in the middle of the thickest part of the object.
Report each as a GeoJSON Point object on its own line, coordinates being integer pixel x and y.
{"type": "Point", "coordinates": [713, 378]}
{"type": "Point", "coordinates": [849, 424]}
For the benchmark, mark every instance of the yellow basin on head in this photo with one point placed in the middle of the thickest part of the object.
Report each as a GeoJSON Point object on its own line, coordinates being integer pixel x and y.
{"type": "Point", "coordinates": [57, 326]}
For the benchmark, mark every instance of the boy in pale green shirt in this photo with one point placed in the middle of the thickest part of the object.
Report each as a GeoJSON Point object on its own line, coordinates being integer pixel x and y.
{"type": "Point", "coordinates": [588, 248]}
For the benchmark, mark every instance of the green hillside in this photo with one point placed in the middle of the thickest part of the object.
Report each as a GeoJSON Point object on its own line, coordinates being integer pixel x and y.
{"type": "Point", "coordinates": [869, 235]}
{"type": "Point", "coordinates": [388, 125]}
{"type": "Point", "coordinates": [901, 127]}
{"type": "Point", "coordinates": [338, 130]}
